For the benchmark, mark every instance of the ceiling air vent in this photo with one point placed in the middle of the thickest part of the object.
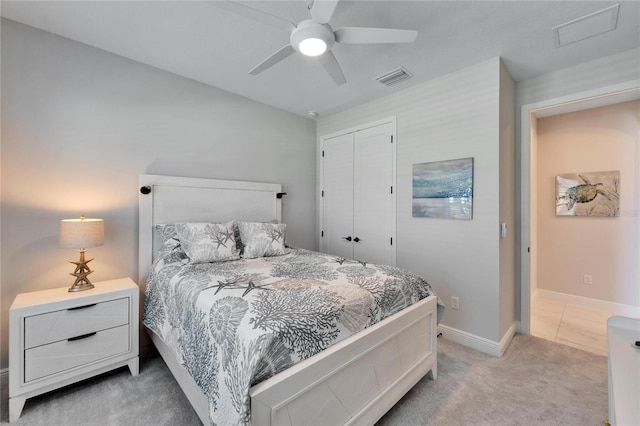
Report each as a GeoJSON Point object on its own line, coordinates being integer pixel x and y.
{"type": "Point", "coordinates": [395, 76]}
{"type": "Point", "coordinates": [587, 26]}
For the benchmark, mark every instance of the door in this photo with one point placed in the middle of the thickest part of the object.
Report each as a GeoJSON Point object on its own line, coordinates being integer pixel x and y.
{"type": "Point", "coordinates": [357, 195]}
{"type": "Point", "coordinates": [337, 196]}
{"type": "Point", "coordinates": [373, 195]}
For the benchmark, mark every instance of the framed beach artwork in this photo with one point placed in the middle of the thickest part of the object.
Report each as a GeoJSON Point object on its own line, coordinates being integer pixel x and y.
{"type": "Point", "coordinates": [588, 194]}
{"type": "Point", "coordinates": [443, 189]}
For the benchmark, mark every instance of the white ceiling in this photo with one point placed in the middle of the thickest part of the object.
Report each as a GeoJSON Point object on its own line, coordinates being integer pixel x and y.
{"type": "Point", "coordinates": [210, 44]}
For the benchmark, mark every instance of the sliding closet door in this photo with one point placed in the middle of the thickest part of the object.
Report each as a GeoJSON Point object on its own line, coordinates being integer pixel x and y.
{"type": "Point", "coordinates": [337, 196]}
{"type": "Point", "coordinates": [373, 195]}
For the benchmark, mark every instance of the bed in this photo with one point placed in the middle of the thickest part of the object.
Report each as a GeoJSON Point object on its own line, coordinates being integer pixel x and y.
{"type": "Point", "coordinates": [280, 335]}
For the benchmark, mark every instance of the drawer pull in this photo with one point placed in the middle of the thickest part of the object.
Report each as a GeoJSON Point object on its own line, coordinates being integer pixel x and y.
{"type": "Point", "coordinates": [81, 307]}
{"type": "Point", "coordinates": [84, 336]}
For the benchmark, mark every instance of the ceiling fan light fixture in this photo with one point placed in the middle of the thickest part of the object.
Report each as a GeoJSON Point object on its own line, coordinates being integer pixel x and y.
{"type": "Point", "coordinates": [312, 46]}
{"type": "Point", "coordinates": [315, 37]}
{"type": "Point", "coordinates": [312, 38]}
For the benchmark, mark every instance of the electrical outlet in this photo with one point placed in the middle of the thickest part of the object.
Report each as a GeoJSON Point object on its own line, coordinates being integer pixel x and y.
{"type": "Point", "coordinates": [455, 302]}
{"type": "Point", "coordinates": [587, 279]}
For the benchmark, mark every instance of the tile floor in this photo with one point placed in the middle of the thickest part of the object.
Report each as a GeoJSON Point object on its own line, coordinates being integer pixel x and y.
{"type": "Point", "coordinates": [572, 325]}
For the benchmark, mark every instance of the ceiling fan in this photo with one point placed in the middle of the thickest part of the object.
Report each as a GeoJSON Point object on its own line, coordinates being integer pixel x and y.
{"type": "Point", "coordinates": [315, 37]}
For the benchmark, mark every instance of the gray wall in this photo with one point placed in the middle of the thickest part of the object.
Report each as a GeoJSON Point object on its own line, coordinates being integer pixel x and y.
{"type": "Point", "coordinates": [454, 116]}
{"type": "Point", "coordinates": [80, 124]}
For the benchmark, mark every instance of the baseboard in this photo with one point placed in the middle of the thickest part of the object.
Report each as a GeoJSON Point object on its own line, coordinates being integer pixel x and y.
{"type": "Point", "coordinates": [519, 327]}
{"type": "Point", "coordinates": [476, 342]}
{"type": "Point", "coordinates": [507, 338]}
{"type": "Point", "coordinates": [603, 305]}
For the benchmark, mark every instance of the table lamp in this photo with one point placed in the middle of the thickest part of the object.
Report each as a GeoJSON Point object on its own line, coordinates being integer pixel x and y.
{"type": "Point", "coordinates": [81, 234]}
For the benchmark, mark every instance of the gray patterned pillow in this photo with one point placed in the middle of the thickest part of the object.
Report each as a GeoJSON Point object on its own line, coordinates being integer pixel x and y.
{"type": "Point", "coordinates": [208, 242]}
{"type": "Point", "coordinates": [262, 239]}
{"type": "Point", "coordinates": [166, 231]}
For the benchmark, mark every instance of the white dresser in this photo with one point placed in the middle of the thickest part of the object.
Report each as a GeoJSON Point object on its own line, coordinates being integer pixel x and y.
{"type": "Point", "coordinates": [624, 371]}
{"type": "Point", "coordinates": [57, 338]}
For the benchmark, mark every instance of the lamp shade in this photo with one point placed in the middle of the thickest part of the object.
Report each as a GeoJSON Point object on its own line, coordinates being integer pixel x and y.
{"type": "Point", "coordinates": [81, 233]}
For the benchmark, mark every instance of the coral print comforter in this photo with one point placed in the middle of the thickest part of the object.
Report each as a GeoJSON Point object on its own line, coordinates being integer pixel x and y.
{"type": "Point", "coordinates": [233, 324]}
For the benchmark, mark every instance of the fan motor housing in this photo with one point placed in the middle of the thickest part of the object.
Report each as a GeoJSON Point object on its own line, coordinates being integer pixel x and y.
{"type": "Point", "coordinates": [312, 29]}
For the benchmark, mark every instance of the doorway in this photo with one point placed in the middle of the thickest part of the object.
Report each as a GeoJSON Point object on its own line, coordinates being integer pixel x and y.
{"type": "Point", "coordinates": [529, 116]}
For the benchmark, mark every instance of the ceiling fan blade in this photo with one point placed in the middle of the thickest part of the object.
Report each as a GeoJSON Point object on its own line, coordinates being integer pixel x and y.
{"type": "Point", "coordinates": [360, 35]}
{"type": "Point", "coordinates": [322, 10]}
{"type": "Point", "coordinates": [330, 64]}
{"type": "Point", "coordinates": [255, 14]}
{"type": "Point", "coordinates": [281, 54]}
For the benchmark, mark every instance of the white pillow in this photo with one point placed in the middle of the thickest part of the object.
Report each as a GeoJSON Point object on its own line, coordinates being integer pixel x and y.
{"type": "Point", "coordinates": [208, 242]}
{"type": "Point", "coordinates": [262, 239]}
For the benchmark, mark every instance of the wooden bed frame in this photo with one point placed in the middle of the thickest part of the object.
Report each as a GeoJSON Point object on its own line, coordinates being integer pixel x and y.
{"type": "Point", "coordinates": [354, 381]}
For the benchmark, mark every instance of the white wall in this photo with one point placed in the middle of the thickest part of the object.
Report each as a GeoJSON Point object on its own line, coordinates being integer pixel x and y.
{"type": "Point", "coordinates": [80, 124]}
{"type": "Point", "coordinates": [533, 256]}
{"type": "Point", "coordinates": [598, 139]}
{"type": "Point", "coordinates": [607, 71]}
{"type": "Point", "coordinates": [454, 116]}
{"type": "Point", "coordinates": [507, 196]}
{"type": "Point", "coordinates": [2, 318]}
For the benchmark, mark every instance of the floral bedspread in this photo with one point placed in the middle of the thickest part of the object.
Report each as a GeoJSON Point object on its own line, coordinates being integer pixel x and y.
{"type": "Point", "coordinates": [234, 324]}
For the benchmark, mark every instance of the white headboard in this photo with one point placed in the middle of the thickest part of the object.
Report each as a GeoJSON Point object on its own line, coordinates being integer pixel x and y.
{"type": "Point", "coordinates": [169, 199]}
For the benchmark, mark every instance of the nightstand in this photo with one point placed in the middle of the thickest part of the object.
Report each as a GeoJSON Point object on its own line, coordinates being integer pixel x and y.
{"type": "Point", "coordinates": [57, 338]}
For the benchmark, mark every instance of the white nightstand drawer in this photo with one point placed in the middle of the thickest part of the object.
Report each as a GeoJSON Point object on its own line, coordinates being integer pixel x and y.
{"type": "Point", "coordinates": [61, 325]}
{"type": "Point", "coordinates": [64, 355]}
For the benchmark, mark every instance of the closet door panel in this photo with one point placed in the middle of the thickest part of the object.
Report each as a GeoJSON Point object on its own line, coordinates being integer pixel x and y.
{"type": "Point", "coordinates": [373, 199]}
{"type": "Point", "coordinates": [337, 202]}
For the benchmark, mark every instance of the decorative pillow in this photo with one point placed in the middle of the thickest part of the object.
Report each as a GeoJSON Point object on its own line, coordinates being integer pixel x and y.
{"type": "Point", "coordinates": [208, 242]}
{"type": "Point", "coordinates": [167, 231]}
{"type": "Point", "coordinates": [236, 234]}
{"type": "Point", "coordinates": [262, 239]}
{"type": "Point", "coordinates": [168, 235]}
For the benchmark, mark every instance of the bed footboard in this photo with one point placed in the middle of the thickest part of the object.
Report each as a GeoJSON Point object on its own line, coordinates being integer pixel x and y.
{"type": "Point", "coordinates": [353, 382]}
{"type": "Point", "coordinates": [357, 380]}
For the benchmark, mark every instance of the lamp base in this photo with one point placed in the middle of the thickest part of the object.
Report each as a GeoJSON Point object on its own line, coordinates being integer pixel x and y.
{"type": "Point", "coordinates": [82, 270]}
{"type": "Point", "coordinates": [81, 287]}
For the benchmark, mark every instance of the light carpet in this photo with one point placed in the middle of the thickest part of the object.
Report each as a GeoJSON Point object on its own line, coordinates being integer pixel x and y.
{"type": "Point", "coordinates": [536, 382]}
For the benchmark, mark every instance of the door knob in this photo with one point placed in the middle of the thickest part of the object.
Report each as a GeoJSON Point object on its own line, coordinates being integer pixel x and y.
{"type": "Point", "coordinates": [347, 238]}
{"type": "Point", "coordinates": [356, 239]}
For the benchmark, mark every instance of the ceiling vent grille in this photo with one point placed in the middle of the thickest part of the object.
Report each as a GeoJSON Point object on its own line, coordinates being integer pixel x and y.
{"type": "Point", "coordinates": [588, 26]}
{"type": "Point", "coordinates": [395, 76]}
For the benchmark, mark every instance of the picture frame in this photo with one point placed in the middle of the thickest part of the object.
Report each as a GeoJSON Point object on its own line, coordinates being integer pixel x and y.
{"type": "Point", "coordinates": [588, 194]}
{"type": "Point", "coordinates": [443, 189]}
